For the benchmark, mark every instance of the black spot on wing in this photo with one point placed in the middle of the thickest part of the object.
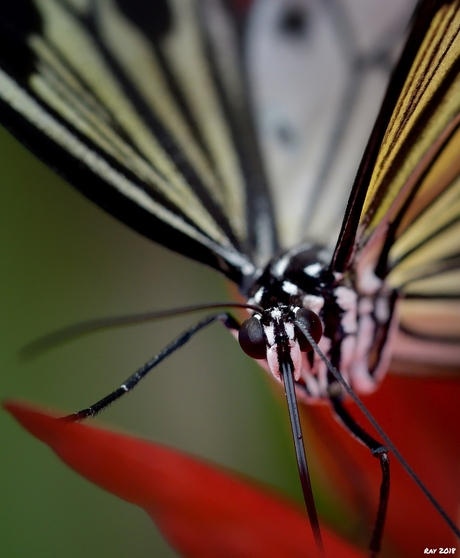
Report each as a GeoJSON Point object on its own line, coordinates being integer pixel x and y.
{"type": "Point", "coordinates": [154, 17]}
{"type": "Point", "coordinates": [286, 135]}
{"type": "Point", "coordinates": [18, 21]}
{"type": "Point", "coordinates": [294, 22]}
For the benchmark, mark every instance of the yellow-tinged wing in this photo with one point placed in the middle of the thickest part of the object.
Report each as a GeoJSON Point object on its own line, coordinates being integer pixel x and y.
{"type": "Point", "coordinates": [408, 231]}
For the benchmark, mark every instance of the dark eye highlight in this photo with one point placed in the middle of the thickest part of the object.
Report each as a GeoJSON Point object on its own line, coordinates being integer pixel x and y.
{"type": "Point", "coordinates": [251, 338]}
{"type": "Point", "coordinates": [312, 322]}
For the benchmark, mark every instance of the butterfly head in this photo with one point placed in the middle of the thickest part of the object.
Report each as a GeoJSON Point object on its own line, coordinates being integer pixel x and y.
{"type": "Point", "coordinates": [273, 336]}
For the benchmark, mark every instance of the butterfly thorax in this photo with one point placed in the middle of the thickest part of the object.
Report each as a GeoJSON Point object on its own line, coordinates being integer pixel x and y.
{"type": "Point", "coordinates": [356, 326]}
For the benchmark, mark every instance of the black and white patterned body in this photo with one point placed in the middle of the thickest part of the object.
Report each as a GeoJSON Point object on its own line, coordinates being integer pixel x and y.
{"type": "Point", "coordinates": [358, 321]}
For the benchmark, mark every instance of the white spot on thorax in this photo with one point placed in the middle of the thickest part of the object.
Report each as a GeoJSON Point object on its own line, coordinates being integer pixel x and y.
{"type": "Point", "coordinates": [313, 270]}
{"type": "Point", "coordinates": [275, 313]}
{"type": "Point", "coordinates": [290, 288]}
{"type": "Point", "coordinates": [280, 267]}
{"type": "Point", "coordinates": [259, 294]}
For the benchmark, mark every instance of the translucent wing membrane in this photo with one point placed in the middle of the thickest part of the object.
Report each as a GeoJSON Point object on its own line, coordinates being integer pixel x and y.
{"type": "Point", "coordinates": [409, 232]}
{"type": "Point", "coordinates": [143, 109]}
{"type": "Point", "coordinates": [314, 123]}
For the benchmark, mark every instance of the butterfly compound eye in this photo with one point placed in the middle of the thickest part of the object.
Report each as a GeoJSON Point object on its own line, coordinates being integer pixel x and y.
{"type": "Point", "coordinates": [312, 322]}
{"type": "Point", "coordinates": [251, 338]}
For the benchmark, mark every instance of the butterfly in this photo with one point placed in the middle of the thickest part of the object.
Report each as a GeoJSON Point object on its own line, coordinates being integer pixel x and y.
{"type": "Point", "coordinates": [180, 163]}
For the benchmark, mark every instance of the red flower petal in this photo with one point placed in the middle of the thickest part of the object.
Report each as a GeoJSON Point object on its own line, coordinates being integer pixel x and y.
{"type": "Point", "coordinates": [202, 511]}
{"type": "Point", "coordinates": [421, 417]}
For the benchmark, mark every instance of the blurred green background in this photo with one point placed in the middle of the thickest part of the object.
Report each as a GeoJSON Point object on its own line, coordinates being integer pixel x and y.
{"type": "Point", "coordinates": [64, 261]}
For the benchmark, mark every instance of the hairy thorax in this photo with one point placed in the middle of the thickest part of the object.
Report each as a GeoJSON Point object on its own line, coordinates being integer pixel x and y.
{"type": "Point", "coordinates": [357, 323]}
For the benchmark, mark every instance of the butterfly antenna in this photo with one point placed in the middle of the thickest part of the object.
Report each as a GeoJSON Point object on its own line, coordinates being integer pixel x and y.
{"type": "Point", "coordinates": [61, 336]}
{"type": "Point", "coordinates": [380, 431]}
{"type": "Point", "coordinates": [288, 379]}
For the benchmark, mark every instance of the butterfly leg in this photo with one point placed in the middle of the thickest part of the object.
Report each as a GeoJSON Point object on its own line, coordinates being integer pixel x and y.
{"type": "Point", "coordinates": [381, 452]}
{"type": "Point", "coordinates": [230, 323]}
{"type": "Point", "coordinates": [133, 380]}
